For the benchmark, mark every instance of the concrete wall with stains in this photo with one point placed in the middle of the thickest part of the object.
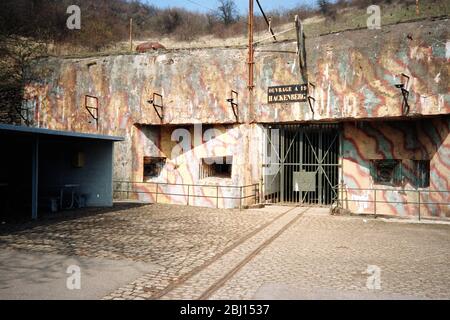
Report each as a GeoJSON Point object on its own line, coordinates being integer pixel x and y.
{"type": "Point", "coordinates": [183, 160]}
{"type": "Point", "coordinates": [194, 86]}
{"type": "Point", "coordinates": [354, 74]}
{"type": "Point", "coordinates": [426, 139]}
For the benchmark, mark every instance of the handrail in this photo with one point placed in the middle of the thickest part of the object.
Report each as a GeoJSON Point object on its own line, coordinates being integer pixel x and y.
{"type": "Point", "coordinates": [216, 196]}
{"type": "Point", "coordinates": [186, 184]}
{"type": "Point", "coordinates": [340, 189]}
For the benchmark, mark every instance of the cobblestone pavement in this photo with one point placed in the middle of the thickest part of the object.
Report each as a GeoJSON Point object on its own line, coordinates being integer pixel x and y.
{"type": "Point", "coordinates": [178, 239]}
{"type": "Point", "coordinates": [209, 278]}
{"type": "Point", "coordinates": [274, 252]}
{"type": "Point", "coordinates": [322, 252]}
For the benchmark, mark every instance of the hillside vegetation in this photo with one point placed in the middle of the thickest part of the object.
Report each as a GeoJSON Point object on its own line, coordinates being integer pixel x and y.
{"type": "Point", "coordinates": [342, 16]}
{"type": "Point", "coordinates": [105, 23]}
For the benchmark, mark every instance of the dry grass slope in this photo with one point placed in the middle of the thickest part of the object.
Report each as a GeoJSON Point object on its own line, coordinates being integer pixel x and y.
{"type": "Point", "coordinates": [346, 19]}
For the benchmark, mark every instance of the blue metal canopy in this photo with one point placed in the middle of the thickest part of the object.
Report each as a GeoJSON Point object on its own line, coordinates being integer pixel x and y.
{"type": "Point", "coordinates": [42, 131]}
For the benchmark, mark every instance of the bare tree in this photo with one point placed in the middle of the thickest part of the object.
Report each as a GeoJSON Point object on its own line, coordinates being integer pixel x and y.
{"type": "Point", "coordinates": [327, 9]}
{"type": "Point", "coordinates": [227, 12]}
{"type": "Point", "coordinates": [16, 54]}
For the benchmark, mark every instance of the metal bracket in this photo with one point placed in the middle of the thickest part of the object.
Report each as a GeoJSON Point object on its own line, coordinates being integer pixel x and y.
{"type": "Point", "coordinates": [268, 20]}
{"type": "Point", "coordinates": [405, 93]}
{"type": "Point", "coordinates": [90, 109]}
{"type": "Point", "coordinates": [234, 104]}
{"type": "Point", "coordinates": [159, 108]}
{"type": "Point", "coordinates": [311, 99]}
{"type": "Point", "coordinates": [26, 119]}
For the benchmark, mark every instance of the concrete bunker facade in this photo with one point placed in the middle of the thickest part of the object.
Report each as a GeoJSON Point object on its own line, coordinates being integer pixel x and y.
{"type": "Point", "coordinates": [354, 144]}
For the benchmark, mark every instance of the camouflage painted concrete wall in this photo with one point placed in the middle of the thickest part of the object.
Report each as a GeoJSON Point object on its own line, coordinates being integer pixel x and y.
{"type": "Point", "coordinates": [183, 161]}
{"type": "Point", "coordinates": [354, 74]}
{"type": "Point", "coordinates": [194, 85]}
{"type": "Point", "coordinates": [406, 141]}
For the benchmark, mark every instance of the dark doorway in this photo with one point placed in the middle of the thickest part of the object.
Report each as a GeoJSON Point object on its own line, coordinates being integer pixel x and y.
{"type": "Point", "coordinates": [15, 177]}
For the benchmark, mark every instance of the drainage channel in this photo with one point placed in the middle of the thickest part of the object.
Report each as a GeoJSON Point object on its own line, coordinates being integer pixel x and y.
{"type": "Point", "coordinates": [201, 282]}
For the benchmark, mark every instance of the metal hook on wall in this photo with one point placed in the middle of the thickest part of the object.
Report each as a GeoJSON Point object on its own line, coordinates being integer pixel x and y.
{"type": "Point", "coordinates": [93, 111]}
{"type": "Point", "coordinates": [159, 107]}
{"type": "Point", "coordinates": [234, 104]}
{"type": "Point", "coordinates": [403, 86]}
{"type": "Point", "coordinates": [311, 98]}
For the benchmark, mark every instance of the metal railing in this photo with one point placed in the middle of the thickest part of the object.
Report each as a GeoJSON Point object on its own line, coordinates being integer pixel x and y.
{"type": "Point", "coordinates": [380, 196]}
{"type": "Point", "coordinates": [250, 191]}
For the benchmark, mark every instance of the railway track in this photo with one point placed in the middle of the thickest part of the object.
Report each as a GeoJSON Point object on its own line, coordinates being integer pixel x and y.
{"type": "Point", "coordinates": [220, 281]}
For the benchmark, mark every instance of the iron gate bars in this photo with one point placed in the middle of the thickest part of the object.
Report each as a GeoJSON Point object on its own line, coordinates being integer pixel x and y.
{"type": "Point", "coordinates": [303, 166]}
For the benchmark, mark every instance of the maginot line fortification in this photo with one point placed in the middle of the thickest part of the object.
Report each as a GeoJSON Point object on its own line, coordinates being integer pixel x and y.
{"type": "Point", "coordinates": [358, 120]}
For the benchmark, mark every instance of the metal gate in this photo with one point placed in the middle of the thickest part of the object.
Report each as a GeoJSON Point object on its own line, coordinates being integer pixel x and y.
{"type": "Point", "coordinates": [301, 163]}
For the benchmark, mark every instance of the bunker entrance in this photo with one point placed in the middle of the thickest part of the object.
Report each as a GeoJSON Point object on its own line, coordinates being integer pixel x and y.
{"type": "Point", "coordinates": [301, 164]}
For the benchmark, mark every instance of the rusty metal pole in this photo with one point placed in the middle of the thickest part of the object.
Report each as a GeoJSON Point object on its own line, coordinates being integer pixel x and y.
{"type": "Point", "coordinates": [240, 198]}
{"type": "Point", "coordinates": [375, 203]}
{"type": "Point", "coordinates": [131, 34]}
{"type": "Point", "coordinates": [188, 195]}
{"type": "Point", "coordinates": [250, 57]}
{"type": "Point", "coordinates": [217, 197]}
{"type": "Point", "coordinates": [418, 201]}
